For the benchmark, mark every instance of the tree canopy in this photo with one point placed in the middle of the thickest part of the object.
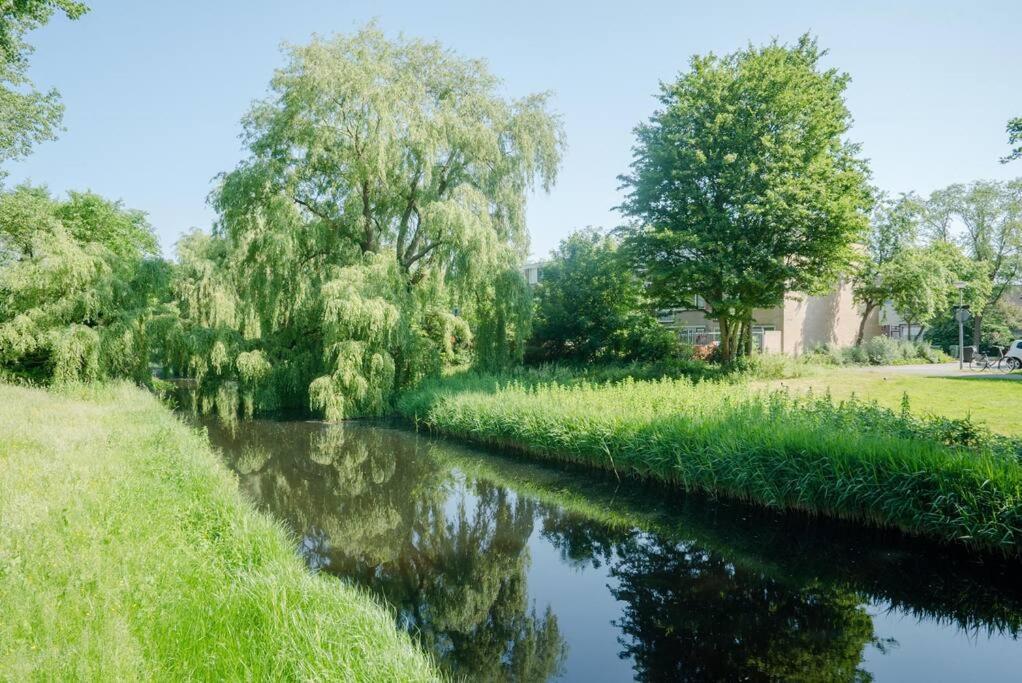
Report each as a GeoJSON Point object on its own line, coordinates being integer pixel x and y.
{"type": "Point", "coordinates": [743, 188]}
{"type": "Point", "coordinates": [920, 282]}
{"type": "Point", "coordinates": [893, 227]}
{"type": "Point", "coordinates": [79, 284]}
{"type": "Point", "coordinates": [1014, 138]}
{"type": "Point", "coordinates": [27, 116]}
{"type": "Point", "coordinates": [376, 227]}
{"type": "Point", "coordinates": [591, 307]}
{"type": "Point", "coordinates": [984, 219]}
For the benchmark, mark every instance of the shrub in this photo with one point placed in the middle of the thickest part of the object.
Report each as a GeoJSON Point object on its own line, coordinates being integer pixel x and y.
{"type": "Point", "coordinates": [591, 307]}
{"type": "Point", "coordinates": [881, 350]}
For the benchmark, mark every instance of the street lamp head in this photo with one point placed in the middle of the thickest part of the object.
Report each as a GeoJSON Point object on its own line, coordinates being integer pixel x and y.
{"type": "Point", "coordinates": [961, 285]}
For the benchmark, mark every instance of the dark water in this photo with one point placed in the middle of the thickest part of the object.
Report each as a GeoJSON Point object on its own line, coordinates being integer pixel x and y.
{"type": "Point", "coordinates": [514, 571]}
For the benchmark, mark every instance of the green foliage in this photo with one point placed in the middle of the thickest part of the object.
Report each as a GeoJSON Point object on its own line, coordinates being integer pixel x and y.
{"type": "Point", "coordinates": [893, 227]}
{"type": "Point", "coordinates": [385, 189]}
{"type": "Point", "coordinates": [80, 283]}
{"type": "Point", "coordinates": [921, 282]}
{"type": "Point", "coordinates": [1002, 324]}
{"type": "Point", "coordinates": [591, 307]}
{"type": "Point", "coordinates": [153, 562]}
{"type": "Point", "coordinates": [984, 219]}
{"type": "Point", "coordinates": [948, 479]}
{"type": "Point", "coordinates": [743, 187]}
{"type": "Point", "coordinates": [27, 116]}
{"type": "Point", "coordinates": [879, 350]}
{"type": "Point", "coordinates": [1014, 129]}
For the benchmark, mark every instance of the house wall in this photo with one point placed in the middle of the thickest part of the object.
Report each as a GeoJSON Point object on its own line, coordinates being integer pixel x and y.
{"type": "Point", "coordinates": [802, 322]}
{"type": "Point", "coordinates": [830, 319]}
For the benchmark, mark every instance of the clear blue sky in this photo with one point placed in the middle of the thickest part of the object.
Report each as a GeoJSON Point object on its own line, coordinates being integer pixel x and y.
{"type": "Point", "coordinates": [154, 91]}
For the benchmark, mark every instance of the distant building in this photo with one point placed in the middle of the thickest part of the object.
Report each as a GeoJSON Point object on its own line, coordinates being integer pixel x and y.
{"type": "Point", "coordinates": [801, 323]}
{"type": "Point", "coordinates": [896, 327]}
{"type": "Point", "coordinates": [533, 272]}
{"type": "Point", "coordinates": [793, 328]}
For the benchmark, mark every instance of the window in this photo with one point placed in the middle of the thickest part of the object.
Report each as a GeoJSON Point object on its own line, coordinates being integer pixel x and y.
{"type": "Point", "coordinates": [665, 316]}
{"type": "Point", "coordinates": [1018, 345]}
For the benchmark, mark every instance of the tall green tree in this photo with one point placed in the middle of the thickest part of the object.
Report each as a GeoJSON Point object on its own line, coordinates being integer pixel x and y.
{"type": "Point", "coordinates": [920, 282]}
{"type": "Point", "coordinates": [27, 116]}
{"type": "Point", "coordinates": [743, 187]}
{"type": "Point", "coordinates": [80, 287]}
{"type": "Point", "coordinates": [385, 188]}
{"type": "Point", "coordinates": [893, 227]}
{"type": "Point", "coordinates": [984, 218]}
{"type": "Point", "coordinates": [591, 307]}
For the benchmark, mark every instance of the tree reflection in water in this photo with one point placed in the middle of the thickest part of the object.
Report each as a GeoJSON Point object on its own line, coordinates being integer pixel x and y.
{"type": "Point", "coordinates": [738, 599]}
{"type": "Point", "coordinates": [450, 557]}
{"type": "Point", "coordinates": [690, 615]}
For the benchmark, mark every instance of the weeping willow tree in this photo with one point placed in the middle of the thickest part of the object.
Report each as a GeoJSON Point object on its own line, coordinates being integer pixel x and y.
{"type": "Point", "coordinates": [374, 232]}
{"type": "Point", "coordinates": [80, 287]}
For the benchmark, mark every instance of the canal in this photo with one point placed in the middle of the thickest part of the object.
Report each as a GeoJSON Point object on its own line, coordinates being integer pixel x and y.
{"type": "Point", "coordinates": [510, 570]}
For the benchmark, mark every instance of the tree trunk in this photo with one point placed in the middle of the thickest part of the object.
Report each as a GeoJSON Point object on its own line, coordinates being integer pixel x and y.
{"type": "Point", "coordinates": [862, 323]}
{"type": "Point", "coordinates": [977, 330]}
{"type": "Point", "coordinates": [919, 333]}
{"type": "Point", "coordinates": [725, 340]}
{"type": "Point", "coordinates": [748, 337]}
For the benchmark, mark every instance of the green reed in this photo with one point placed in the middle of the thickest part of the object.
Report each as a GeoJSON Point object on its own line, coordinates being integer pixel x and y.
{"type": "Point", "coordinates": [948, 479]}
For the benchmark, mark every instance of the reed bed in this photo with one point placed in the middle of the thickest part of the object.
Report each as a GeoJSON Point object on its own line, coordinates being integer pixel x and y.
{"type": "Point", "coordinates": [950, 480]}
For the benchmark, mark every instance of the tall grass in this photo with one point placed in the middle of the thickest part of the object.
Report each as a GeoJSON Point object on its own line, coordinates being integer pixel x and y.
{"type": "Point", "coordinates": [127, 553]}
{"type": "Point", "coordinates": [947, 479]}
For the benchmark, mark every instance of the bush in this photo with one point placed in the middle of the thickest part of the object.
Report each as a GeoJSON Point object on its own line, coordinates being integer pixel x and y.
{"type": "Point", "coordinates": [882, 350]}
{"type": "Point", "coordinates": [591, 307]}
{"type": "Point", "coordinates": [877, 351]}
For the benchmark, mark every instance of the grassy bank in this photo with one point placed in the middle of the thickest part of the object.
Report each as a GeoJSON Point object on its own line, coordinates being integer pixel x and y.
{"type": "Point", "coordinates": [127, 553]}
{"type": "Point", "coordinates": [944, 479]}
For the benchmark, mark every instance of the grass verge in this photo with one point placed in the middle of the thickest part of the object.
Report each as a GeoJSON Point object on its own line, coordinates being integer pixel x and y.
{"type": "Point", "coordinates": [127, 553]}
{"type": "Point", "coordinates": [948, 480]}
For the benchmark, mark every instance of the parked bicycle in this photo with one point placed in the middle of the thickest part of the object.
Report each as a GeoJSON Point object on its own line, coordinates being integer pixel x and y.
{"type": "Point", "coordinates": [999, 361]}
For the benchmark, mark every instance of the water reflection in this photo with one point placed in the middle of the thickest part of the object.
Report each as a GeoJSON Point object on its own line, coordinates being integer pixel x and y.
{"type": "Point", "coordinates": [700, 590]}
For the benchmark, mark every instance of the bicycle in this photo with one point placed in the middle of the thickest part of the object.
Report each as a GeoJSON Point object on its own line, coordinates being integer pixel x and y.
{"type": "Point", "coordinates": [981, 362]}
{"type": "Point", "coordinates": [1001, 362]}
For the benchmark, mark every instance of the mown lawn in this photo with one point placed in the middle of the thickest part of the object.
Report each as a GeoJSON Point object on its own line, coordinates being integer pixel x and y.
{"type": "Point", "coordinates": [992, 400]}
{"type": "Point", "coordinates": [127, 553]}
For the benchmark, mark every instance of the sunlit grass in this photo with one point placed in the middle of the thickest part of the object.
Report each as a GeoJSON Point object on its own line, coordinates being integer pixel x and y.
{"type": "Point", "coordinates": [127, 553]}
{"type": "Point", "coordinates": [857, 461]}
{"type": "Point", "coordinates": [989, 399]}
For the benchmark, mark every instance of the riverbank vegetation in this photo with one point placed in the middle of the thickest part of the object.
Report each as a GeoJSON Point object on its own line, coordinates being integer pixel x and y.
{"type": "Point", "coordinates": [127, 553]}
{"type": "Point", "coordinates": [948, 479]}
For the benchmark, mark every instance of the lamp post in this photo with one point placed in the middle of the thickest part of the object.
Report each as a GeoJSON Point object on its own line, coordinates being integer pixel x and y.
{"type": "Point", "coordinates": [960, 317]}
